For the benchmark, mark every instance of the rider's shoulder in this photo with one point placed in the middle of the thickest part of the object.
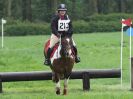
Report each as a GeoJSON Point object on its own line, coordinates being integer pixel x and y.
{"type": "Point", "coordinates": [55, 17]}
{"type": "Point", "coordinates": [67, 17]}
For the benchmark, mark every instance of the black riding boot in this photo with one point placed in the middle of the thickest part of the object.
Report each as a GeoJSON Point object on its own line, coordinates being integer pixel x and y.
{"type": "Point", "coordinates": [77, 58]}
{"type": "Point", "coordinates": [47, 58]}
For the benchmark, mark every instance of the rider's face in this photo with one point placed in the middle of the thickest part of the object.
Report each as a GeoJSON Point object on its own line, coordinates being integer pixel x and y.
{"type": "Point", "coordinates": [62, 12]}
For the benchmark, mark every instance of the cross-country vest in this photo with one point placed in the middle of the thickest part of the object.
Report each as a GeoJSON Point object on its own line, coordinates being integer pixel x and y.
{"type": "Point", "coordinates": [63, 25]}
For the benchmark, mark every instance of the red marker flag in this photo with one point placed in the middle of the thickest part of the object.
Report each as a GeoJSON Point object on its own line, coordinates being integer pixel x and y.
{"type": "Point", "coordinates": [126, 22]}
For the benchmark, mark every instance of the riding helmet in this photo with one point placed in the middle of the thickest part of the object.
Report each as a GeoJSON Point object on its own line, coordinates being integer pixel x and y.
{"type": "Point", "coordinates": [62, 7]}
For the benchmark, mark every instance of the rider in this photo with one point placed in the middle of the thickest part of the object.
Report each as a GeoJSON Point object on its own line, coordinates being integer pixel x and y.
{"type": "Point", "coordinates": [61, 24]}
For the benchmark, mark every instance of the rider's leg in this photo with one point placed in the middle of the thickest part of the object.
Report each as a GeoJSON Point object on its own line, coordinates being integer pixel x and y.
{"type": "Point", "coordinates": [77, 58]}
{"type": "Point", "coordinates": [53, 41]}
{"type": "Point", "coordinates": [47, 59]}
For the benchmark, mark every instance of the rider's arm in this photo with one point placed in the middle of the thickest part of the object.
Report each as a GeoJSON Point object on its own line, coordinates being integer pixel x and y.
{"type": "Point", "coordinates": [70, 31]}
{"type": "Point", "coordinates": [54, 23]}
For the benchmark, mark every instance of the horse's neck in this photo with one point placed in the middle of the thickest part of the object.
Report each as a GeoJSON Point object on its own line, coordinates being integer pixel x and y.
{"type": "Point", "coordinates": [59, 49]}
{"type": "Point", "coordinates": [57, 53]}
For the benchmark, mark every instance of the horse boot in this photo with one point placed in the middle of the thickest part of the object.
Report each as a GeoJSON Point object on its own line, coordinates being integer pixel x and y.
{"type": "Point", "coordinates": [77, 58]}
{"type": "Point", "coordinates": [47, 59]}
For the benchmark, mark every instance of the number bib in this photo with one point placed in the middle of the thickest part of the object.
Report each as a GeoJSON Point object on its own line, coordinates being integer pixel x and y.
{"type": "Point", "coordinates": [63, 25]}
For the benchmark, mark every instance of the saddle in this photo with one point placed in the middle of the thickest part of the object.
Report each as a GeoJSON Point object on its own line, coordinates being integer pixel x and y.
{"type": "Point", "coordinates": [46, 46]}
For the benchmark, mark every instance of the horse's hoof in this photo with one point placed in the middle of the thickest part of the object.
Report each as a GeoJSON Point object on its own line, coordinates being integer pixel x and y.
{"type": "Point", "coordinates": [58, 92]}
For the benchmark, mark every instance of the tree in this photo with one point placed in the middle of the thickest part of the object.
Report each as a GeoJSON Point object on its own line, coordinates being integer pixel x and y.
{"type": "Point", "coordinates": [26, 10]}
{"type": "Point", "coordinates": [9, 6]}
{"type": "Point", "coordinates": [38, 10]}
{"type": "Point", "coordinates": [51, 7]}
{"type": "Point", "coordinates": [73, 9]}
{"type": "Point", "coordinates": [54, 5]}
{"type": "Point", "coordinates": [130, 6]}
{"type": "Point", "coordinates": [1, 8]}
{"type": "Point", "coordinates": [121, 5]}
{"type": "Point", "coordinates": [17, 9]}
{"type": "Point", "coordinates": [90, 7]}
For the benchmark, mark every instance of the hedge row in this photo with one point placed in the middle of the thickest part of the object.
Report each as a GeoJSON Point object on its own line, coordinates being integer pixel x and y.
{"type": "Point", "coordinates": [108, 17]}
{"type": "Point", "coordinates": [78, 26]}
{"type": "Point", "coordinates": [93, 26]}
{"type": "Point", "coordinates": [27, 29]}
{"type": "Point", "coordinates": [95, 23]}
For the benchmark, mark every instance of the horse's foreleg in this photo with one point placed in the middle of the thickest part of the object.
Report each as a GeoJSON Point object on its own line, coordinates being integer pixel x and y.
{"type": "Point", "coordinates": [57, 80]}
{"type": "Point", "coordinates": [67, 76]}
{"type": "Point", "coordinates": [58, 87]}
{"type": "Point", "coordinates": [65, 86]}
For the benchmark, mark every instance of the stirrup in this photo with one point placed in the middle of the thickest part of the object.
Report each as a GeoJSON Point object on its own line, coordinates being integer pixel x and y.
{"type": "Point", "coordinates": [47, 62]}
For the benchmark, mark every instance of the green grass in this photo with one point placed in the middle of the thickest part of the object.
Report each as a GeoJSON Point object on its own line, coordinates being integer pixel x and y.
{"type": "Point", "coordinates": [97, 51]}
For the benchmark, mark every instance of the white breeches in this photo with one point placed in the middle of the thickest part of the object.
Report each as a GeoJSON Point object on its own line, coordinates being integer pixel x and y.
{"type": "Point", "coordinates": [54, 39]}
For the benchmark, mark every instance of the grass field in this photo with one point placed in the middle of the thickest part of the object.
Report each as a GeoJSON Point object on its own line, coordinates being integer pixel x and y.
{"type": "Point", "coordinates": [97, 51]}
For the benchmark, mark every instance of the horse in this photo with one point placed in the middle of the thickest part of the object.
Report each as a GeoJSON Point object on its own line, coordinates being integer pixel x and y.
{"type": "Point", "coordinates": [62, 62]}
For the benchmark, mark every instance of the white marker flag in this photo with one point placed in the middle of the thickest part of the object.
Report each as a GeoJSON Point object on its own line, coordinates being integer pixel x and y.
{"type": "Point", "coordinates": [2, 31]}
{"type": "Point", "coordinates": [3, 21]}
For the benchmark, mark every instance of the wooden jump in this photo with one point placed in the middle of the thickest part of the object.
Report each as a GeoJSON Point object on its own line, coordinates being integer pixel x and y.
{"type": "Point", "coordinates": [85, 75]}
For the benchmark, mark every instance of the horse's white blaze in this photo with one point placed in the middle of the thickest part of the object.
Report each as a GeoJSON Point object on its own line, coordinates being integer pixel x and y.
{"type": "Point", "coordinates": [68, 40]}
{"type": "Point", "coordinates": [56, 54]}
{"type": "Point", "coordinates": [70, 52]}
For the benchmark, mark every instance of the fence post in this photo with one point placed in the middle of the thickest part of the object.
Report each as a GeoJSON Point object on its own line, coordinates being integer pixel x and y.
{"type": "Point", "coordinates": [0, 84]}
{"type": "Point", "coordinates": [131, 73]}
{"type": "Point", "coordinates": [86, 81]}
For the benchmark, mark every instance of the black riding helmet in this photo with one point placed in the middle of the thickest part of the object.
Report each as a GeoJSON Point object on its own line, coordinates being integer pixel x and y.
{"type": "Point", "coordinates": [62, 7]}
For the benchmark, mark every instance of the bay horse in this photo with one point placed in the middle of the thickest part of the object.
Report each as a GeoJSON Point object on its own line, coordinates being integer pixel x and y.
{"type": "Point", "coordinates": [62, 62]}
